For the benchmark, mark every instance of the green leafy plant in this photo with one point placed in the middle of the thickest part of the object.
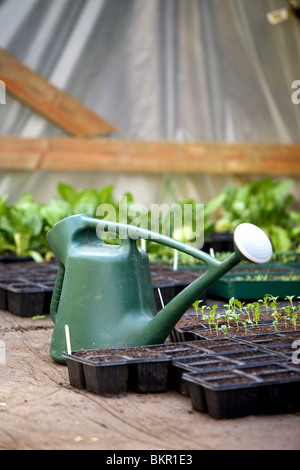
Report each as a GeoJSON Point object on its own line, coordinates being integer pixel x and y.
{"type": "Point", "coordinates": [236, 317]}
{"type": "Point", "coordinates": [256, 314]}
{"type": "Point", "coordinates": [228, 315]}
{"type": "Point", "coordinates": [293, 319]}
{"type": "Point", "coordinates": [198, 308]}
{"type": "Point", "coordinates": [266, 203]}
{"type": "Point", "coordinates": [236, 313]}
{"type": "Point", "coordinates": [216, 325]}
{"type": "Point", "coordinates": [224, 328]}
{"type": "Point", "coordinates": [24, 225]}
{"type": "Point", "coordinates": [21, 228]}
{"type": "Point", "coordinates": [245, 324]}
{"type": "Point", "coordinates": [266, 301]}
{"type": "Point", "coordinates": [212, 317]}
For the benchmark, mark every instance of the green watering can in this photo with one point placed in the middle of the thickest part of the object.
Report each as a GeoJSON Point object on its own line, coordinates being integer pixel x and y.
{"type": "Point", "coordinates": [104, 292]}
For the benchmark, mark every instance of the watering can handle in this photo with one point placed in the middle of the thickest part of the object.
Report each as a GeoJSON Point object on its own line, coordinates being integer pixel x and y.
{"type": "Point", "coordinates": [57, 291]}
{"type": "Point", "coordinates": [132, 232]}
{"type": "Point", "coordinates": [251, 243]}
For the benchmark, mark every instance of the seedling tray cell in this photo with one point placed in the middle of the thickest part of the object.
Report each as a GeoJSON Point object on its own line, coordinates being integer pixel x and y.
{"type": "Point", "coordinates": [148, 375]}
{"type": "Point", "coordinates": [75, 371]}
{"type": "Point", "coordinates": [107, 378]}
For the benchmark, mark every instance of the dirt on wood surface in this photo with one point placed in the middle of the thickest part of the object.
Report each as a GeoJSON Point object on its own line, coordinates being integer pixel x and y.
{"type": "Point", "coordinates": [39, 410]}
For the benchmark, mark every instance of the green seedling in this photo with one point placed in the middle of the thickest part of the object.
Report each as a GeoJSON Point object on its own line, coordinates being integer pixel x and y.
{"type": "Point", "coordinates": [225, 329]}
{"type": "Point", "coordinates": [230, 305]}
{"type": "Point", "coordinates": [266, 301]}
{"type": "Point", "coordinates": [293, 319]}
{"type": "Point", "coordinates": [245, 324]}
{"type": "Point", "coordinates": [274, 303]}
{"type": "Point", "coordinates": [235, 304]}
{"type": "Point", "coordinates": [211, 316]}
{"type": "Point", "coordinates": [216, 326]}
{"type": "Point", "coordinates": [275, 324]}
{"type": "Point", "coordinates": [197, 308]}
{"type": "Point", "coordinates": [213, 311]}
{"type": "Point", "coordinates": [256, 316]}
{"type": "Point", "coordinates": [209, 320]}
{"type": "Point", "coordinates": [248, 308]}
{"type": "Point", "coordinates": [290, 299]}
{"type": "Point", "coordinates": [228, 315]}
{"type": "Point", "coordinates": [287, 316]}
{"type": "Point", "coordinates": [276, 315]}
{"type": "Point", "coordinates": [236, 318]}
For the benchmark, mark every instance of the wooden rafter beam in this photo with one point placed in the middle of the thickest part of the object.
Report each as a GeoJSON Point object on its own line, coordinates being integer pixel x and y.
{"type": "Point", "coordinates": [129, 156]}
{"type": "Point", "coordinates": [53, 104]}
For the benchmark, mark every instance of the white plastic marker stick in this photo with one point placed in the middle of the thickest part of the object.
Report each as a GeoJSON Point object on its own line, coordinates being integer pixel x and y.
{"type": "Point", "coordinates": [175, 261]}
{"type": "Point", "coordinates": [212, 252]}
{"type": "Point", "coordinates": [160, 296]}
{"type": "Point", "coordinates": [143, 244]}
{"type": "Point", "coordinates": [68, 339]}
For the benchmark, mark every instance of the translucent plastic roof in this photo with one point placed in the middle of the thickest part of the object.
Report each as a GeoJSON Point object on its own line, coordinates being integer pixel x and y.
{"type": "Point", "coordinates": [160, 69]}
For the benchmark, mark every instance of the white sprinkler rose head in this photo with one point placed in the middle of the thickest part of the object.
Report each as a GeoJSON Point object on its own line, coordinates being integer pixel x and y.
{"type": "Point", "coordinates": [253, 243]}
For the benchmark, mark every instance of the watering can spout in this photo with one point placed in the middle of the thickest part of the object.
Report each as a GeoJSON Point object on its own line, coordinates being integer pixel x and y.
{"type": "Point", "coordinates": [105, 294]}
{"type": "Point", "coordinates": [250, 243]}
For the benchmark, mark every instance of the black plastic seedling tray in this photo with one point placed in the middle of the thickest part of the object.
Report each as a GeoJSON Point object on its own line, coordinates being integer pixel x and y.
{"type": "Point", "coordinates": [225, 382]}
{"type": "Point", "coordinates": [134, 369]}
{"type": "Point", "coordinates": [250, 390]}
{"type": "Point", "coordinates": [26, 297]}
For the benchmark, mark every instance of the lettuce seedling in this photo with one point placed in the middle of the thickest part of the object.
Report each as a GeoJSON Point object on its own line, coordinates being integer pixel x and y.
{"type": "Point", "coordinates": [197, 308]}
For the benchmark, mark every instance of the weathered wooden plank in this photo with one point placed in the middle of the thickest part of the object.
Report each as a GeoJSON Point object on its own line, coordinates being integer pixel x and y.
{"type": "Point", "coordinates": [52, 103]}
{"type": "Point", "coordinates": [128, 156]}
{"type": "Point", "coordinates": [21, 154]}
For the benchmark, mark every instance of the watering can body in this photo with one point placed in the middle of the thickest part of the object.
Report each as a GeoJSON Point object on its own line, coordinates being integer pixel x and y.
{"type": "Point", "coordinates": [104, 292]}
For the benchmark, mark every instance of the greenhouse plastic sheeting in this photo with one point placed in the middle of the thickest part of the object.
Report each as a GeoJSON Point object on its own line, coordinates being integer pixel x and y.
{"type": "Point", "coordinates": [205, 70]}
